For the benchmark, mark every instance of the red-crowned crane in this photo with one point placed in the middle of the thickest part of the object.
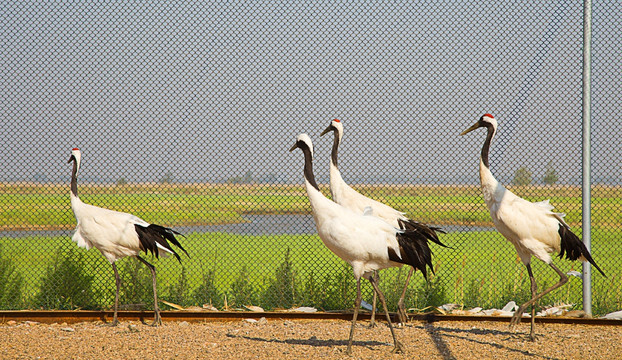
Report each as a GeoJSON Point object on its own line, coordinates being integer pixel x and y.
{"type": "Point", "coordinates": [117, 235]}
{"type": "Point", "coordinates": [346, 196]}
{"type": "Point", "coordinates": [366, 242]}
{"type": "Point", "coordinates": [533, 228]}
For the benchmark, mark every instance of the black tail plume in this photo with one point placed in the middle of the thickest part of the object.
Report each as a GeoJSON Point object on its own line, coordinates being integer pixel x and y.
{"type": "Point", "coordinates": [428, 231]}
{"type": "Point", "coordinates": [414, 250]}
{"type": "Point", "coordinates": [574, 248]}
{"type": "Point", "coordinates": [153, 234]}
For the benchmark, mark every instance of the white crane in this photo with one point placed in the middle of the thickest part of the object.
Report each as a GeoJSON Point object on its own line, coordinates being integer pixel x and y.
{"type": "Point", "coordinates": [117, 235]}
{"type": "Point", "coordinates": [346, 196]}
{"type": "Point", "coordinates": [367, 243]}
{"type": "Point", "coordinates": [532, 228]}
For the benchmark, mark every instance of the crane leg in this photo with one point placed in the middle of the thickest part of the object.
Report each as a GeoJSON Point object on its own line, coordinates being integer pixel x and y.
{"type": "Point", "coordinates": [357, 305]}
{"type": "Point", "coordinates": [398, 348]}
{"type": "Point", "coordinates": [534, 291]}
{"type": "Point", "coordinates": [157, 320]}
{"type": "Point", "coordinates": [518, 314]}
{"type": "Point", "coordinates": [117, 279]}
{"type": "Point", "coordinates": [401, 309]}
{"type": "Point", "coordinates": [372, 321]}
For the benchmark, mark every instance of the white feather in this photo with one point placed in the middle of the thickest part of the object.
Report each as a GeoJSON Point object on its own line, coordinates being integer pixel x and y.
{"type": "Point", "coordinates": [113, 233]}
{"type": "Point", "coordinates": [360, 240]}
{"type": "Point", "coordinates": [531, 227]}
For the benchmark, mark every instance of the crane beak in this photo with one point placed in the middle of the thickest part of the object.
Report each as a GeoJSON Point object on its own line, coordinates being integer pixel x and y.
{"type": "Point", "coordinates": [328, 129]}
{"type": "Point", "coordinates": [71, 158]}
{"type": "Point", "coordinates": [293, 147]}
{"type": "Point", "coordinates": [473, 127]}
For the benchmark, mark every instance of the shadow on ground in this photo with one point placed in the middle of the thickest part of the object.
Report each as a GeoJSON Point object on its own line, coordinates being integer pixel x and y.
{"type": "Point", "coordinates": [438, 334]}
{"type": "Point", "coordinates": [313, 341]}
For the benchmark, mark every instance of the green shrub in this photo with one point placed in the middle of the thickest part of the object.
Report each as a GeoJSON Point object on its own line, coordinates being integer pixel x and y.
{"type": "Point", "coordinates": [550, 176]}
{"type": "Point", "coordinates": [11, 282]}
{"type": "Point", "coordinates": [310, 292]}
{"type": "Point", "coordinates": [66, 285]}
{"type": "Point", "coordinates": [179, 293]}
{"type": "Point", "coordinates": [242, 291]}
{"type": "Point", "coordinates": [338, 290]}
{"type": "Point", "coordinates": [522, 176]}
{"type": "Point", "coordinates": [136, 285]}
{"type": "Point", "coordinates": [433, 293]}
{"type": "Point", "coordinates": [281, 289]}
{"type": "Point", "coordinates": [207, 293]}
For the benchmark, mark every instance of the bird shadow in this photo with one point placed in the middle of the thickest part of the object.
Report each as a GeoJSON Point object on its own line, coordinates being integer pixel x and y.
{"type": "Point", "coordinates": [438, 334]}
{"type": "Point", "coordinates": [312, 341]}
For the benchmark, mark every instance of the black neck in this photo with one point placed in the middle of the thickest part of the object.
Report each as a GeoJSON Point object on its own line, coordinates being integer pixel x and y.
{"type": "Point", "coordinates": [74, 179]}
{"type": "Point", "coordinates": [308, 170]}
{"type": "Point", "coordinates": [333, 155]}
{"type": "Point", "coordinates": [486, 147]}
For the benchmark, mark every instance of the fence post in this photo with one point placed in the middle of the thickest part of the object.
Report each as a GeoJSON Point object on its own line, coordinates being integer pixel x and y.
{"type": "Point", "coordinates": [586, 201]}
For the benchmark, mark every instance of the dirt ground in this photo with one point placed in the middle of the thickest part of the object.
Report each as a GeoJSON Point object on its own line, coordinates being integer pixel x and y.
{"type": "Point", "coordinates": [305, 339]}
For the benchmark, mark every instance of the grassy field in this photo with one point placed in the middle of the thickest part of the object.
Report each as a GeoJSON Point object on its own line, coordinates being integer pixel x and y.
{"type": "Point", "coordinates": [481, 269]}
{"type": "Point", "coordinates": [26, 206]}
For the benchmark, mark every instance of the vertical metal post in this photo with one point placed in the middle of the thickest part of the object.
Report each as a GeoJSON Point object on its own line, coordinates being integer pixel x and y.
{"type": "Point", "coordinates": [587, 196]}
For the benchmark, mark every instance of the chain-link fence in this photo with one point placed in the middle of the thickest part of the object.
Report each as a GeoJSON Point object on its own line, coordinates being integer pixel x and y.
{"type": "Point", "coordinates": [185, 113]}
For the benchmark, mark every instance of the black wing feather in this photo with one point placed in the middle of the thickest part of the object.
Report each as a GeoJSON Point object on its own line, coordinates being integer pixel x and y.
{"type": "Point", "coordinates": [150, 236]}
{"type": "Point", "coordinates": [573, 247]}
{"type": "Point", "coordinates": [414, 250]}
{"type": "Point", "coordinates": [413, 242]}
{"type": "Point", "coordinates": [428, 231]}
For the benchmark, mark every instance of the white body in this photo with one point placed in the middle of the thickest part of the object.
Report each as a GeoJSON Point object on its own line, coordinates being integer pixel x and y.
{"type": "Point", "coordinates": [360, 240]}
{"type": "Point", "coordinates": [111, 232]}
{"type": "Point", "coordinates": [531, 227]}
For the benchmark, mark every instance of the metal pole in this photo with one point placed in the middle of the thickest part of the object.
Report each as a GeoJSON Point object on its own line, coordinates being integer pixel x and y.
{"type": "Point", "coordinates": [587, 199]}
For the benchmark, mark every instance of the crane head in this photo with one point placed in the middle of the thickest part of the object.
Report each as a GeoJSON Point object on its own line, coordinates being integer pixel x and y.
{"type": "Point", "coordinates": [486, 120]}
{"type": "Point", "coordinates": [303, 141]}
{"type": "Point", "coordinates": [75, 156]}
{"type": "Point", "coordinates": [335, 125]}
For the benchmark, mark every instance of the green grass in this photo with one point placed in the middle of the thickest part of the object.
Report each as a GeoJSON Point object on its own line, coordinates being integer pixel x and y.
{"type": "Point", "coordinates": [481, 269]}
{"type": "Point", "coordinates": [31, 206]}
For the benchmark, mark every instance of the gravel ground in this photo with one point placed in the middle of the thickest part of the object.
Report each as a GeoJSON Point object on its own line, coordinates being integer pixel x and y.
{"type": "Point", "coordinates": [304, 339]}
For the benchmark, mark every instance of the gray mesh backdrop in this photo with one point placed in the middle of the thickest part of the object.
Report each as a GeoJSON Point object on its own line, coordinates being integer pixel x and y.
{"type": "Point", "coordinates": [185, 114]}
